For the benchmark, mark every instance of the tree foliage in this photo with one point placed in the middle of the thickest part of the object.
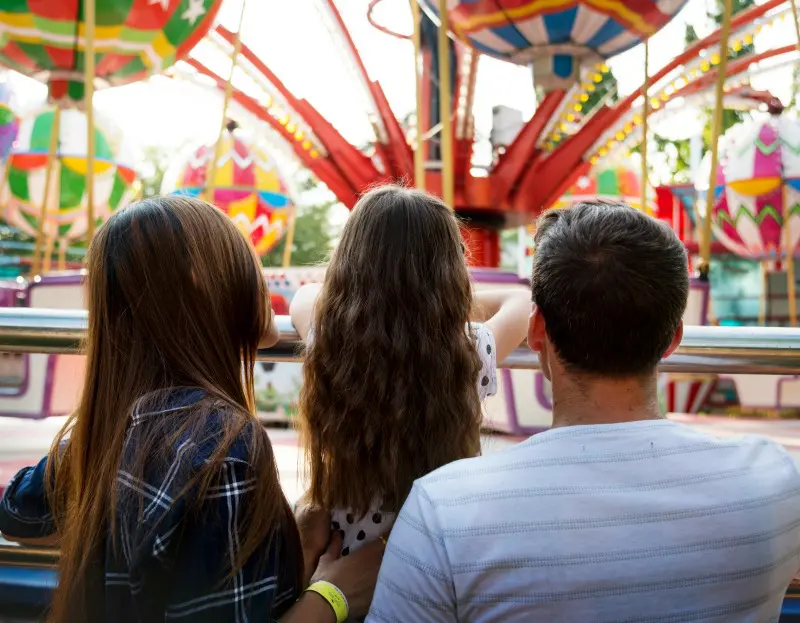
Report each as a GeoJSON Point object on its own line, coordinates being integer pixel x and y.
{"type": "Point", "coordinates": [313, 237]}
{"type": "Point", "coordinates": [155, 162]}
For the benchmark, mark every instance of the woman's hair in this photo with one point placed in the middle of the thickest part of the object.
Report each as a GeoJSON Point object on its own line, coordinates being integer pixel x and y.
{"type": "Point", "coordinates": [176, 299]}
{"type": "Point", "coordinates": [390, 376]}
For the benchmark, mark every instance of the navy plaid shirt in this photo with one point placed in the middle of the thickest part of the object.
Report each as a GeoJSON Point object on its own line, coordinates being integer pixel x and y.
{"type": "Point", "coordinates": [171, 564]}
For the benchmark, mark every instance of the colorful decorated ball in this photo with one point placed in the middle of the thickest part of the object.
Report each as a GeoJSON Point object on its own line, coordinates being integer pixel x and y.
{"type": "Point", "coordinates": [247, 186]}
{"type": "Point", "coordinates": [557, 37]}
{"type": "Point", "coordinates": [9, 124]}
{"type": "Point", "coordinates": [608, 182]}
{"type": "Point", "coordinates": [133, 39]}
{"type": "Point", "coordinates": [66, 210]}
{"type": "Point", "coordinates": [758, 187]}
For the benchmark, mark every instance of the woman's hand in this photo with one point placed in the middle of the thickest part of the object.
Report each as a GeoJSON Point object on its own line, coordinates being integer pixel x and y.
{"type": "Point", "coordinates": [355, 575]}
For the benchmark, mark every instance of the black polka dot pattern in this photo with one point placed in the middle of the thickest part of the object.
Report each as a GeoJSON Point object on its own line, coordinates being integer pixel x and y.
{"type": "Point", "coordinates": [485, 381]}
{"type": "Point", "coordinates": [376, 518]}
{"type": "Point", "coordinates": [361, 535]}
{"type": "Point", "coordinates": [345, 551]}
{"type": "Point", "coordinates": [335, 525]}
{"type": "Point", "coordinates": [350, 518]}
{"type": "Point", "coordinates": [488, 349]}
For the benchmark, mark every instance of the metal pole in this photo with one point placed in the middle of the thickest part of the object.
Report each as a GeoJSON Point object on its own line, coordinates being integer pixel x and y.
{"type": "Point", "coordinates": [790, 290]}
{"type": "Point", "coordinates": [723, 350]}
{"type": "Point", "coordinates": [645, 111]}
{"type": "Point", "coordinates": [62, 254]}
{"type": "Point", "coordinates": [445, 107]}
{"type": "Point", "coordinates": [211, 172]}
{"type": "Point", "coordinates": [52, 157]}
{"type": "Point", "coordinates": [796, 22]}
{"type": "Point", "coordinates": [419, 149]}
{"type": "Point", "coordinates": [789, 257]}
{"type": "Point", "coordinates": [48, 254]}
{"type": "Point", "coordinates": [763, 302]}
{"type": "Point", "coordinates": [88, 66]}
{"type": "Point", "coordinates": [287, 250]}
{"type": "Point", "coordinates": [716, 130]}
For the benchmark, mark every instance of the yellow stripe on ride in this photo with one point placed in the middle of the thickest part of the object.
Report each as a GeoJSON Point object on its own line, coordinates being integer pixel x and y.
{"type": "Point", "coordinates": [246, 207]}
{"type": "Point", "coordinates": [100, 32]}
{"type": "Point", "coordinates": [755, 187]}
{"type": "Point", "coordinates": [162, 47]}
{"type": "Point", "coordinates": [79, 165]}
{"type": "Point", "coordinates": [20, 20]}
{"type": "Point", "coordinates": [224, 173]}
{"type": "Point", "coordinates": [477, 22]}
{"type": "Point", "coordinates": [267, 179]}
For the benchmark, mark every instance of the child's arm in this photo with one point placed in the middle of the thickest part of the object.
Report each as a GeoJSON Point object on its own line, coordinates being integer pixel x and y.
{"type": "Point", "coordinates": [301, 308]}
{"type": "Point", "coordinates": [505, 312]}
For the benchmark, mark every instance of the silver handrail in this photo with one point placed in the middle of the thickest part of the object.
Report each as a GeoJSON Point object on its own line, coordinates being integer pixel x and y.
{"type": "Point", "coordinates": [704, 350]}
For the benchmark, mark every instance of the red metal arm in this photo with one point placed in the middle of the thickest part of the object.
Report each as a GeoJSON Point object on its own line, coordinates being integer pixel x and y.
{"type": "Point", "coordinates": [563, 165]}
{"type": "Point", "coordinates": [397, 154]}
{"type": "Point", "coordinates": [519, 155]}
{"type": "Point", "coordinates": [324, 169]}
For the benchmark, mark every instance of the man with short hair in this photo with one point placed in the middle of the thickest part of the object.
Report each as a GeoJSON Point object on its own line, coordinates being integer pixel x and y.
{"type": "Point", "coordinates": [616, 514]}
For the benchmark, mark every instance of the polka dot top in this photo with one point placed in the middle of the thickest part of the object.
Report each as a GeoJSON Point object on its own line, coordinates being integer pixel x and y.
{"type": "Point", "coordinates": [358, 531]}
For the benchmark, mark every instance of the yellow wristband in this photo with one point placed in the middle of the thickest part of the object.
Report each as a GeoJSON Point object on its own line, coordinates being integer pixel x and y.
{"type": "Point", "coordinates": [334, 597]}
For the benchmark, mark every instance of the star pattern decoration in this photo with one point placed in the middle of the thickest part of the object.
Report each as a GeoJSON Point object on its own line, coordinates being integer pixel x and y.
{"type": "Point", "coordinates": [194, 11]}
{"type": "Point", "coordinates": [164, 3]}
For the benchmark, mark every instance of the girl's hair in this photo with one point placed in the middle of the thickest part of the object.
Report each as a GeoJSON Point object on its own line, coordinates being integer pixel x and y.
{"type": "Point", "coordinates": [390, 377]}
{"type": "Point", "coordinates": [176, 298]}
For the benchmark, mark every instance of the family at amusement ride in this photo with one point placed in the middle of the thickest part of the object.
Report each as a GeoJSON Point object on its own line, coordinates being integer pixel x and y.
{"type": "Point", "coordinates": [162, 492]}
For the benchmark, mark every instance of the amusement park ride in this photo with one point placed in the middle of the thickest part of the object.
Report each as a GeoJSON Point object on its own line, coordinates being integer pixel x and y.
{"type": "Point", "coordinates": [64, 169]}
{"type": "Point", "coordinates": [60, 179]}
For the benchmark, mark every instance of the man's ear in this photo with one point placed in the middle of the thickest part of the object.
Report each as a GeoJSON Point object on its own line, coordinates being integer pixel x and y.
{"type": "Point", "coordinates": [536, 330]}
{"type": "Point", "coordinates": [676, 341]}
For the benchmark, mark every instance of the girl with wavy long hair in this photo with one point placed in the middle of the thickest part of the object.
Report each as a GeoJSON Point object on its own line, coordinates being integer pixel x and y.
{"type": "Point", "coordinates": [394, 372]}
{"type": "Point", "coordinates": [162, 490]}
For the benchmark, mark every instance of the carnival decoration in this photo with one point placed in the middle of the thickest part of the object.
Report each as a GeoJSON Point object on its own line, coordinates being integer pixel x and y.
{"type": "Point", "coordinates": [246, 186]}
{"type": "Point", "coordinates": [66, 216]}
{"type": "Point", "coordinates": [45, 39]}
{"type": "Point", "coordinates": [758, 188]}
{"type": "Point", "coordinates": [686, 394]}
{"type": "Point", "coordinates": [556, 37]}
{"type": "Point", "coordinates": [611, 183]}
{"type": "Point", "coordinates": [9, 123]}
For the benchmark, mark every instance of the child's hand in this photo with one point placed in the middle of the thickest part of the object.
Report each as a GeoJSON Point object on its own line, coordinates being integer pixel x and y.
{"type": "Point", "coordinates": [314, 525]}
{"type": "Point", "coordinates": [270, 335]}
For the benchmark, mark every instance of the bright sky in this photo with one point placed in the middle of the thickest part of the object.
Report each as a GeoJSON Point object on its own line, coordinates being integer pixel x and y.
{"type": "Point", "coordinates": [291, 38]}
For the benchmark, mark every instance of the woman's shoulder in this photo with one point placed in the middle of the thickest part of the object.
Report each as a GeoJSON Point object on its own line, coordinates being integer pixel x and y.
{"type": "Point", "coordinates": [229, 433]}
{"type": "Point", "coordinates": [201, 426]}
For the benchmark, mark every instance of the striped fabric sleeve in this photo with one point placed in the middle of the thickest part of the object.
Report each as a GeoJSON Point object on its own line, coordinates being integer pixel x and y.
{"type": "Point", "coordinates": [415, 581]}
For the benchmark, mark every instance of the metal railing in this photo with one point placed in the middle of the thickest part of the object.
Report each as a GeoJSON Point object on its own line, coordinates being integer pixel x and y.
{"type": "Point", "coordinates": [704, 350]}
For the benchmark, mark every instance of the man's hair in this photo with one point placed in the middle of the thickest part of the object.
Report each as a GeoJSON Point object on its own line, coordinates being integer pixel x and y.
{"type": "Point", "coordinates": [611, 284]}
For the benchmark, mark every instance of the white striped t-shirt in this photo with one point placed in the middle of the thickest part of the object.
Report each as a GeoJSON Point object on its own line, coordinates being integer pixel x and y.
{"type": "Point", "coordinates": [644, 521]}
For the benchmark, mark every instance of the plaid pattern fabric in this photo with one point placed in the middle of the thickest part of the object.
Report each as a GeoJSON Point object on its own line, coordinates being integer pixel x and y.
{"type": "Point", "coordinates": [169, 563]}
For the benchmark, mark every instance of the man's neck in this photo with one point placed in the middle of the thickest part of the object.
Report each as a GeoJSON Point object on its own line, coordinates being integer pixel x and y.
{"type": "Point", "coordinates": [588, 400]}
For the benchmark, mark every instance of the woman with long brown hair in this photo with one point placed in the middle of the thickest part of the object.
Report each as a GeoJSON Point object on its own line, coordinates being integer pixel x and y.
{"type": "Point", "coordinates": [394, 373]}
{"type": "Point", "coordinates": [162, 490]}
